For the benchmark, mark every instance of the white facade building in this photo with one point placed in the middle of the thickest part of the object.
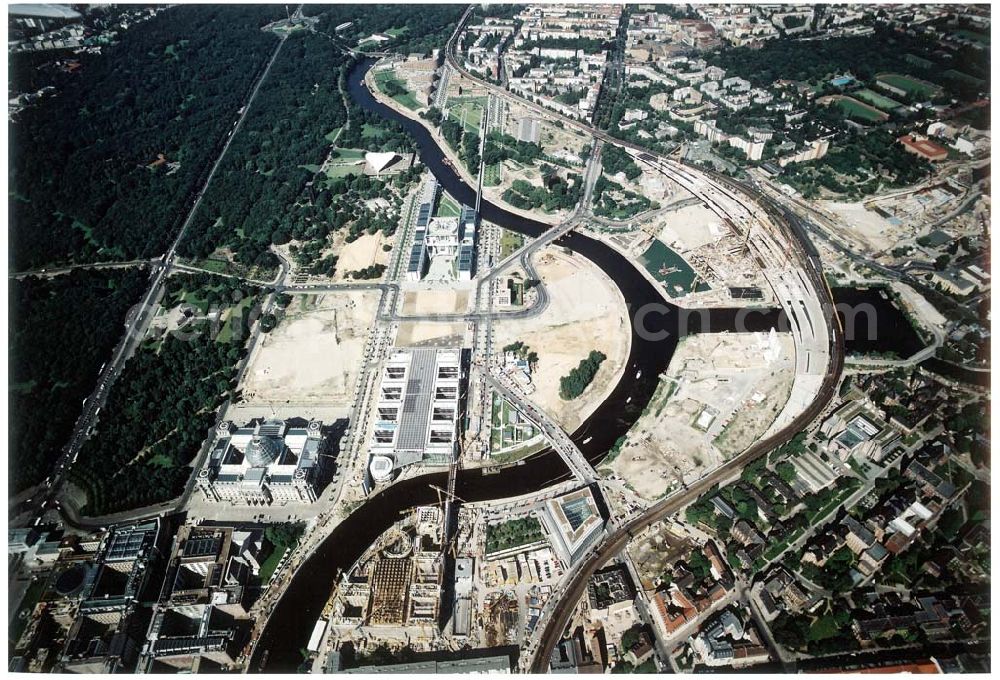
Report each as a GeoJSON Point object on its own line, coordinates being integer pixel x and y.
{"type": "Point", "coordinates": [416, 420]}
{"type": "Point", "coordinates": [263, 464]}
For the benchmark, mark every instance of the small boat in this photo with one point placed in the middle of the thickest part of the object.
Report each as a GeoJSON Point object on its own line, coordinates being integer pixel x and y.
{"type": "Point", "coordinates": [638, 374]}
{"type": "Point", "coordinates": [587, 440]}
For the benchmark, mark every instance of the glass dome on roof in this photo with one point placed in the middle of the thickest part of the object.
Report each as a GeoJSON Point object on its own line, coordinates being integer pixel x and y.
{"type": "Point", "coordinates": [262, 451]}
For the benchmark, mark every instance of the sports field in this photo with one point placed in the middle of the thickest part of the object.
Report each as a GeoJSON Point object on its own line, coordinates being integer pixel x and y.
{"type": "Point", "coordinates": [908, 84]}
{"type": "Point", "coordinates": [852, 107]}
{"type": "Point", "coordinates": [876, 100]}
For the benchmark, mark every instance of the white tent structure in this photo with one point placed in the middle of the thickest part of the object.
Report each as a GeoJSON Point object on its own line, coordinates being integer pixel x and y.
{"type": "Point", "coordinates": [380, 161]}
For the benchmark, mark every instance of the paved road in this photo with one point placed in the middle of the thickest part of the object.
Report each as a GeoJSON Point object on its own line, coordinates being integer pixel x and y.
{"type": "Point", "coordinates": [49, 272]}
{"type": "Point", "coordinates": [555, 623]}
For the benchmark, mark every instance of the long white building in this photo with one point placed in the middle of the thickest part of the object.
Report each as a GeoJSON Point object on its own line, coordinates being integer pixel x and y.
{"type": "Point", "coordinates": [419, 403]}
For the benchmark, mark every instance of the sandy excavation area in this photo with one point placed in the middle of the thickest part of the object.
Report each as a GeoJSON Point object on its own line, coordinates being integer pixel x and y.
{"type": "Point", "coordinates": [690, 228]}
{"type": "Point", "coordinates": [429, 334]}
{"type": "Point", "coordinates": [420, 302]}
{"type": "Point", "coordinates": [314, 354]}
{"type": "Point", "coordinates": [864, 228]}
{"type": "Point", "coordinates": [360, 253]}
{"type": "Point", "coordinates": [720, 393]}
{"type": "Point", "coordinates": [585, 312]}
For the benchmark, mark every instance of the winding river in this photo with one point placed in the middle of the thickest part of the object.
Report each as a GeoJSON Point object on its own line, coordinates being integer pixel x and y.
{"type": "Point", "coordinates": [291, 622]}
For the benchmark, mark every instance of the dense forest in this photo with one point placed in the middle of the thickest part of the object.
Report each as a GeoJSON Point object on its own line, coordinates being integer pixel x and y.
{"type": "Point", "coordinates": [83, 184]}
{"type": "Point", "coordinates": [157, 416]}
{"type": "Point", "coordinates": [263, 172]}
{"type": "Point", "coordinates": [60, 332]}
{"type": "Point", "coordinates": [259, 196]}
{"type": "Point", "coordinates": [862, 56]}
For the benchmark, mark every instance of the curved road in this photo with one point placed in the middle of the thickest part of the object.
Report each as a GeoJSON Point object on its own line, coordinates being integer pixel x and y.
{"type": "Point", "coordinates": [616, 541]}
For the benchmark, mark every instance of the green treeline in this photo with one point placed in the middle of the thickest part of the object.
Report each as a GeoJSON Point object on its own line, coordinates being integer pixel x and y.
{"type": "Point", "coordinates": [81, 180]}
{"type": "Point", "coordinates": [557, 192]}
{"type": "Point", "coordinates": [61, 330]}
{"type": "Point", "coordinates": [371, 272]}
{"type": "Point", "coordinates": [156, 417]}
{"type": "Point", "coordinates": [572, 386]}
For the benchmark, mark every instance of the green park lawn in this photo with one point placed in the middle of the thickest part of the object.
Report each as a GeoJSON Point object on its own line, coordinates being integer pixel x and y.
{"type": "Point", "coordinates": [467, 109]}
{"type": "Point", "coordinates": [447, 207]}
{"type": "Point", "coordinates": [384, 78]}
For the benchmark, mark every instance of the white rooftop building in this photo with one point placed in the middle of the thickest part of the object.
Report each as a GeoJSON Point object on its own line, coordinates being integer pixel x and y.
{"type": "Point", "coordinates": [380, 161]}
{"type": "Point", "coordinates": [573, 522]}
{"type": "Point", "coordinates": [417, 412]}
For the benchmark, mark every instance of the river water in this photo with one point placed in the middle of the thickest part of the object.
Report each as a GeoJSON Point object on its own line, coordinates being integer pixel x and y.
{"type": "Point", "coordinates": [292, 621]}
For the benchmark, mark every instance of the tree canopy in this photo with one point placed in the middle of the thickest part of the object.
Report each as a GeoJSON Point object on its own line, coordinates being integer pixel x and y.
{"type": "Point", "coordinates": [84, 178]}
{"type": "Point", "coordinates": [61, 330]}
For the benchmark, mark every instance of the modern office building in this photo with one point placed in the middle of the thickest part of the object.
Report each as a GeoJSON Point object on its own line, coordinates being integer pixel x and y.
{"type": "Point", "coordinates": [263, 463]}
{"type": "Point", "coordinates": [419, 402]}
{"type": "Point", "coordinates": [573, 522]}
{"type": "Point", "coordinates": [467, 245]}
{"type": "Point", "coordinates": [451, 238]}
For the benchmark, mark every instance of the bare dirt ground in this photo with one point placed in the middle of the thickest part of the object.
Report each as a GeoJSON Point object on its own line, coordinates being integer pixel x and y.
{"type": "Point", "coordinates": [732, 379]}
{"type": "Point", "coordinates": [426, 334]}
{"type": "Point", "coordinates": [417, 302]}
{"type": "Point", "coordinates": [867, 227]}
{"type": "Point", "coordinates": [585, 312]}
{"type": "Point", "coordinates": [315, 352]}
{"type": "Point", "coordinates": [360, 253]}
{"type": "Point", "coordinates": [690, 228]}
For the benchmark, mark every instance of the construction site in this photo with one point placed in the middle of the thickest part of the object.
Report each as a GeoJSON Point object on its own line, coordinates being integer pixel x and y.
{"type": "Point", "coordinates": [720, 393]}
{"type": "Point", "coordinates": [696, 258]}
{"type": "Point", "coordinates": [654, 550]}
{"type": "Point", "coordinates": [311, 358]}
{"type": "Point", "coordinates": [394, 589]}
{"type": "Point", "coordinates": [586, 312]}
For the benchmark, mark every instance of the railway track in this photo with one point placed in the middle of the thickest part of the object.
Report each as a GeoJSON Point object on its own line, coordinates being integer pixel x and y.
{"type": "Point", "coordinates": [805, 256]}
